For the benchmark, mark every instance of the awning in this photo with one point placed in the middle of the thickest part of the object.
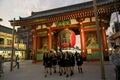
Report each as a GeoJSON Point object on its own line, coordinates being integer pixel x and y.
{"type": "Point", "coordinates": [5, 49]}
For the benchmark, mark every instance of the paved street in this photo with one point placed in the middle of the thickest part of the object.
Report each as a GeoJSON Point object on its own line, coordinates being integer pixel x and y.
{"type": "Point", "coordinates": [29, 71]}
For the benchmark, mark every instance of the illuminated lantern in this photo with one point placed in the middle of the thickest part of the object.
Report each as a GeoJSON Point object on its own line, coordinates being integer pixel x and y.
{"type": "Point", "coordinates": [66, 38]}
{"type": "Point", "coordinates": [73, 39]}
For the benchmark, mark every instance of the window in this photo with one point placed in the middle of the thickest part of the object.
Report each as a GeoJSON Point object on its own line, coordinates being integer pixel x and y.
{"type": "Point", "coordinates": [1, 41]}
{"type": "Point", "coordinates": [9, 42]}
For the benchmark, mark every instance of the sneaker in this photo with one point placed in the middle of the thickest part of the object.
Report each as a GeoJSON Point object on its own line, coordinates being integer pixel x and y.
{"type": "Point", "coordinates": [60, 74]}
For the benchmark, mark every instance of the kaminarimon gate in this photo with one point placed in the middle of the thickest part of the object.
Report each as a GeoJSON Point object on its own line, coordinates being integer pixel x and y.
{"type": "Point", "coordinates": [55, 29]}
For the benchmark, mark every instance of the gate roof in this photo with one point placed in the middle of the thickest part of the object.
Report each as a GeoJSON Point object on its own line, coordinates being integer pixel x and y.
{"type": "Point", "coordinates": [67, 12]}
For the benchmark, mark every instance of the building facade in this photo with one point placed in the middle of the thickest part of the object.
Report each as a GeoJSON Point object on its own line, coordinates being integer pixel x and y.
{"type": "Point", "coordinates": [51, 28]}
{"type": "Point", "coordinates": [26, 35]}
{"type": "Point", "coordinates": [6, 43]}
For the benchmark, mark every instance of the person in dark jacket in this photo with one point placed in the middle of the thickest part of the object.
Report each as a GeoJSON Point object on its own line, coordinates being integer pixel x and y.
{"type": "Point", "coordinates": [72, 63]}
{"type": "Point", "coordinates": [48, 63]}
{"type": "Point", "coordinates": [44, 63]}
{"type": "Point", "coordinates": [67, 59]}
{"type": "Point", "coordinates": [61, 63]}
{"type": "Point", "coordinates": [79, 61]}
{"type": "Point", "coordinates": [54, 62]}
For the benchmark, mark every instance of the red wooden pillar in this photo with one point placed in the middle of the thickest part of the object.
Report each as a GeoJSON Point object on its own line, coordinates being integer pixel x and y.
{"type": "Point", "coordinates": [104, 40]}
{"type": "Point", "coordinates": [49, 39]}
{"type": "Point", "coordinates": [82, 37]}
{"type": "Point", "coordinates": [34, 46]}
{"type": "Point", "coordinates": [49, 36]}
{"type": "Point", "coordinates": [38, 43]}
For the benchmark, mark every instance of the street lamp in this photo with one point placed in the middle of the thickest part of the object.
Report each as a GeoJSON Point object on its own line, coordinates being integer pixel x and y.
{"type": "Point", "coordinates": [13, 51]}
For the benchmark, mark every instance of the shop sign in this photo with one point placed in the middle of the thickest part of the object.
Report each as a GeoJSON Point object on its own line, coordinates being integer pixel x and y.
{"type": "Point", "coordinates": [90, 26]}
{"type": "Point", "coordinates": [43, 32]}
{"type": "Point", "coordinates": [63, 23]}
{"type": "Point", "coordinates": [22, 46]}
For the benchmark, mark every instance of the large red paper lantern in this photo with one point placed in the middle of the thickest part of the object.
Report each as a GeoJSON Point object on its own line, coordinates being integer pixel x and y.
{"type": "Point", "coordinates": [73, 39]}
{"type": "Point", "coordinates": [66, 38]}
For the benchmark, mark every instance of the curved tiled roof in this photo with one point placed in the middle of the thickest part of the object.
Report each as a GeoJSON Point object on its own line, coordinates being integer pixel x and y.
{"type": "Point", "coordinates": [5, 29]}
{"type": "Point", "coordinates": [70, 8]}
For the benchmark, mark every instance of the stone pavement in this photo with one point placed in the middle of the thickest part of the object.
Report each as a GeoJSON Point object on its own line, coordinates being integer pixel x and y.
{"type": "Point", "coordinates": [30, 71]}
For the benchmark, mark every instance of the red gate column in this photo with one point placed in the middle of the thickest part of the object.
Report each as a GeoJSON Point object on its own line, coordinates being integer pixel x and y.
{"type": "Point", "coordinates": [82, 37]}
{"type": "Point", "coordinates": [49, 36]}
{"type": "Point", "coordinates": [49, 40]}
{"type": "Point", "coordinates": [104, 40]}
{"type": "Point", "coordinates": [34, 47]}
{"type": "Point", "coordinates": [38, 42]}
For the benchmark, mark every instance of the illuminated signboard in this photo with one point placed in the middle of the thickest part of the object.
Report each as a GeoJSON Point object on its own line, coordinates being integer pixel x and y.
{"type": "Point", "coordinates": [21, 46]}
{"type": "Point", "coordinates": [63, 23]}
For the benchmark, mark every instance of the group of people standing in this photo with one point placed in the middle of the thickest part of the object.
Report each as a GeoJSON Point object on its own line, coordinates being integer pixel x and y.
{"type": "Point", "coordinates": [65, 61]}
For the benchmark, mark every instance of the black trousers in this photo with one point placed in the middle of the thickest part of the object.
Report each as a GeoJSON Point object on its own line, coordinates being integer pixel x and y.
{"type": "Point", "coordinates": [17, 64]}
